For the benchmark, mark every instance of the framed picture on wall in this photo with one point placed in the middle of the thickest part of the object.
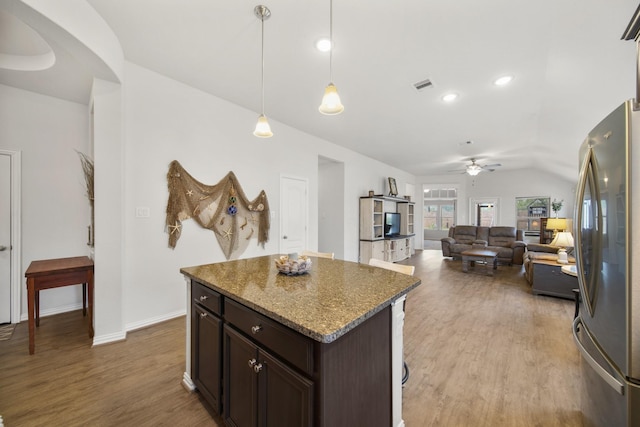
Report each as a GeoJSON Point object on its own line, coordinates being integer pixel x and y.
{"type": "Point", "coordinates": [393, 189]}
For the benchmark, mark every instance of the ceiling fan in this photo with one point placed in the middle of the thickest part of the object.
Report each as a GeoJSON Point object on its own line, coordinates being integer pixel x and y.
{"type": "Point", "coordinates": [474, 168]}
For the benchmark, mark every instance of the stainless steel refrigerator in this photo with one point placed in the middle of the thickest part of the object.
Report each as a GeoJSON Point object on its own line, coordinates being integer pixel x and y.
{"type": "Point", "coordinates": [607, 250]}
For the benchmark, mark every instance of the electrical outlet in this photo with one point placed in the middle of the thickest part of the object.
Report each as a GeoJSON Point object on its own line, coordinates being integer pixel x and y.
{"type": "Point", "coordinates": [142, 212]}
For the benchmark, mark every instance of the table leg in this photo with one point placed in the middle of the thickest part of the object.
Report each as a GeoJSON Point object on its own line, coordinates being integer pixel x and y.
{"type": "Point", "coordinates": [84, 299]}
{"type": "Point", "coordinates": [465, 265]}
{"type": "Point", "coordinates": [488, 267]}
{"type": "Point", "coordinates": [30, 307]}
{"type": "Point", "coordinates": [37, 308]}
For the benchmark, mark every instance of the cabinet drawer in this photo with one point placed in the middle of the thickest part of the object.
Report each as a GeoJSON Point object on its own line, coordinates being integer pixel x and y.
{"type": "Point", "coordinates": [206, 297]}
{"type": "Point", "coordinates": [550, 280]}
{"type": "Point", "coordinates": [288, 344]}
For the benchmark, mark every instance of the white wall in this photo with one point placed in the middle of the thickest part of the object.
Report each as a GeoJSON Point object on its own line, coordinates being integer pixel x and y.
{"type": "Point", "coordinates": [331, 208]}
{"type": "Point", "coordinates": [109, 216]}
{"type": "Point", "coordinates": [55, 209]}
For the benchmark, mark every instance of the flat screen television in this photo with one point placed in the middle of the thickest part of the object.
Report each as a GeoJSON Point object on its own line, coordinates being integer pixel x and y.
{"type": "Point", "coordinates": [391, 224]}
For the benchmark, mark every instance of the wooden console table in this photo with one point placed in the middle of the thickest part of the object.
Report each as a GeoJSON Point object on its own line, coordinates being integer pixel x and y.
{"type": "Point", "coordinates": [53, 273]}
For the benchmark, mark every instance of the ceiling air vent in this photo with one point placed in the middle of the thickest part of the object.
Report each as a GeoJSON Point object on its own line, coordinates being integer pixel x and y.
{"type": "Point", "coordinates": [422, 84]}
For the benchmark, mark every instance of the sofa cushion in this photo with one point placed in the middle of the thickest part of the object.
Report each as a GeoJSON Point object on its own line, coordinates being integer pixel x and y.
{"type": "Point", "coordinates": [465, 234]}
{"type": "Point", "coordinates": [540, 247]}
{"type": "Point", "coordinates": [503, 253]}
{"type": "Point", "coordinates": [458, 248]}
{"type": "Point", "coordinates": [483, 233]}
{"type": "Point", "coordinates": [502, 236]}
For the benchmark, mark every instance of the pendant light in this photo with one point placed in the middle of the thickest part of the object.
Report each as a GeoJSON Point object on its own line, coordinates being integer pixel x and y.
{"type": "Point", "coordinates": [331, 104]}
{"type": "Point", "coordinates": [263, 130]}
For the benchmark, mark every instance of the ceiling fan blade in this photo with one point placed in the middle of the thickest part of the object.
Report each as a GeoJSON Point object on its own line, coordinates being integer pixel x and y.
{"type": "Point", "coordinates": [495, 165]}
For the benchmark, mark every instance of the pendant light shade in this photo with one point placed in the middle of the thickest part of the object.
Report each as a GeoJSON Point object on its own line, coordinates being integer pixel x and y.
{"type": "Point", "coordinates": [331, 104]}
{"type": "Point", "coordinates": [331, 101]}
{"type": "Point", "coordinates": [263, 130]}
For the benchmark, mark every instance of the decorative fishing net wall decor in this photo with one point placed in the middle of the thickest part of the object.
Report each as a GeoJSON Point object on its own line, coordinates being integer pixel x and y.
{"type": "Point", "coordinates": [222, 208]}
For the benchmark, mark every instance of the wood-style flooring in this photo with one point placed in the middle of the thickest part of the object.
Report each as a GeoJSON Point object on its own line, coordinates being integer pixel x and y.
{"type": "Point", "coordinates": [482, 351]}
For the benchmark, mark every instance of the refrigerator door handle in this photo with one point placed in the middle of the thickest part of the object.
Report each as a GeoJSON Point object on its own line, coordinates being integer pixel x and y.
{"type": "Point", "coordinates": [606, 376]}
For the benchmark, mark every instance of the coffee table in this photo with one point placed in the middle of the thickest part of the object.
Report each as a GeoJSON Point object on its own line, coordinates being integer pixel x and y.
{"type": "Point", "coordinates": [486, 256]}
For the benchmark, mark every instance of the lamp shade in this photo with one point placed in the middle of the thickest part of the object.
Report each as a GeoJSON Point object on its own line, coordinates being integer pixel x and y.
{"type": "Point", "coordinates": [563, 239]}
{"type": "Point", "coordinates": [331, 101]}
{"type": "Point", "coordinates": [263, 130]}
{"type": "Point", "coordinates": [557, 224]}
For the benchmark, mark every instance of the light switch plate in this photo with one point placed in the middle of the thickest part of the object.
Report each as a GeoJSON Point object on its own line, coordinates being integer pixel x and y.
{"type": "Point", "coordinates": [142, 212]}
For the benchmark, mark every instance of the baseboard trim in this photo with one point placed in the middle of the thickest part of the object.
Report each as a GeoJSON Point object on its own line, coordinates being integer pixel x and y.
{"type": "Point", "coordinates": [115, 336]}
{"type": "Point", "coordinates": [109, 338]}
{"type": "Point", "coordinates": [154, 320]}
{"type": "Point", "coordinates": [122, 335]}
{"type": "Point", "coordinates": [53, 311]}
{"type": "Point", "coordinates": [188, 383]}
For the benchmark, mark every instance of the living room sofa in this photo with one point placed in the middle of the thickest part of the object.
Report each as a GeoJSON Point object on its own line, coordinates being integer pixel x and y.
{"type": "Point", "coordinates": [507, 241]}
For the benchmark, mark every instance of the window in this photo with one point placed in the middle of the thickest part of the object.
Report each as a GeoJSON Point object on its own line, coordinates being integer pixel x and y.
{"type": "Point", "coordinates": [529, 212]}
{"type": "Point", "coordinates": [439, 208]}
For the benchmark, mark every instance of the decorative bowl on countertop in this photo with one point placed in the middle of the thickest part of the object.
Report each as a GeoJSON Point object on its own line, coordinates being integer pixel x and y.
{"type": "Point", "coordinates": [293, 267]}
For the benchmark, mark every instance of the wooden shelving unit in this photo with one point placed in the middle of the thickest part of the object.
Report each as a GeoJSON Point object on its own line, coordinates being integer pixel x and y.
{"type": "Point", "coordinates": [373, 244]}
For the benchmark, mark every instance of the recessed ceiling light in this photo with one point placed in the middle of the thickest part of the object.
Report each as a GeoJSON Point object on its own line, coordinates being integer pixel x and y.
{"type": "Point", "coordinates": [504, 80]}
{"type": "Point", "coordinates": [323, 45]}
{"type": "Point", "coordinates": [450, 97]}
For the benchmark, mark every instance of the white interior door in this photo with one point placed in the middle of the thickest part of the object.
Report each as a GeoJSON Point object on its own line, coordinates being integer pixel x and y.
{"type": "Point", "coordinates": [293, 214]}
{"type": "Point", "coordinates": [5, 239]}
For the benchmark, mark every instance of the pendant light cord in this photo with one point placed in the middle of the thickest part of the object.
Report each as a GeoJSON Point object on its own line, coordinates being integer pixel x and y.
{"type": "Point", "coordinates": [331, 41]}
{"type": "Point", "coordinates": [262, 21]}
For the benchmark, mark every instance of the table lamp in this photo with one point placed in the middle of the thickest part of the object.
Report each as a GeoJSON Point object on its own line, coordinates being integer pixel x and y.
{"type": "Point", "coordinates": [564, 239]}
{"type": "Point", "coordinates": [556, 224]}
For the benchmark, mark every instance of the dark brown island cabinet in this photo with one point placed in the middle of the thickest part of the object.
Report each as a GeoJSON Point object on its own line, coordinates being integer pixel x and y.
{"type": "Point", "coordinates": [258, 359]}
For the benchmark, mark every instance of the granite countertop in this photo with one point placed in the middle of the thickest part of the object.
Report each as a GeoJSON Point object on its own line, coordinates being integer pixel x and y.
{"type": "Point", "coordinates": [324, 304]}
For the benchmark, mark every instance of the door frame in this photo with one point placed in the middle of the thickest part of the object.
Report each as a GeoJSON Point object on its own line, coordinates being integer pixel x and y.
{"type": "Point", "coordinates": [477, 200]}
{"type": "Point", "coordinates": [16, 250]}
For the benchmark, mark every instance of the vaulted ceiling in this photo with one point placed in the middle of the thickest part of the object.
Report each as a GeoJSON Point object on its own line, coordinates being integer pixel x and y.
{"type": "Point", "coordinates": [569, 64]}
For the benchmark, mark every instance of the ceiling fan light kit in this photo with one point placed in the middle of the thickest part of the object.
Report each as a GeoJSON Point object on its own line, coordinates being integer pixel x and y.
{"type": "Point", "coordinates": [473, 169]}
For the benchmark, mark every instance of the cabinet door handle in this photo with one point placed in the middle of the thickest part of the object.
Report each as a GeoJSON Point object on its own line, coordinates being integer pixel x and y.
{"type": "Point", "coordinates": [203, 298]}
{"type": "Point", "coordinates": [257, 367]}
{"type": "Point", "coordinates": [203, 315]}
{"type": "Point", "coordinates": [256, 329]}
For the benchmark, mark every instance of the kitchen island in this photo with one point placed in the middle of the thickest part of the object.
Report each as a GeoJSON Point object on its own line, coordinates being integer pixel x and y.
{"type": "Point", "coordinates": [319, 349]}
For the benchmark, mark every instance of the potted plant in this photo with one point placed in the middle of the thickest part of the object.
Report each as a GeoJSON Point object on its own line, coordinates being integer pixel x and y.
{"type": "Point", "coordinates": [556, 206]}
